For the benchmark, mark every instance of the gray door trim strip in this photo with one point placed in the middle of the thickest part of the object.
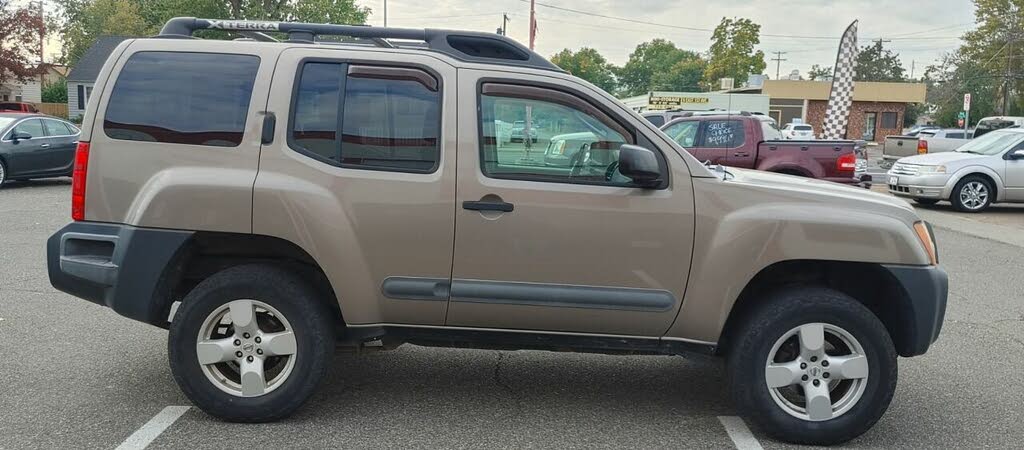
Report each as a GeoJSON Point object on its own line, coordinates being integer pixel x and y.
{"type": "Point", "coordinates": [413, 288]}
{"type": "Point", "coordinates": [561, 295]}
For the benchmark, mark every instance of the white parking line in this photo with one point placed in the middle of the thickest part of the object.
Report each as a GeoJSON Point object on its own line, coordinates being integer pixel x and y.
{"type": "Point", "coordinates": [149, 432]}
{"type": "Point", "coordinates": [739, 433]}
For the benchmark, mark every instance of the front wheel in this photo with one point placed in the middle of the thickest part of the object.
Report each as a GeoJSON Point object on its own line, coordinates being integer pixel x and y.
{"type": "Point", "coordinates": [812, 366]}
{"type": "Point", "coordinates": [250, 343]}
{"type": "Point", "coordinates": [972, 194]}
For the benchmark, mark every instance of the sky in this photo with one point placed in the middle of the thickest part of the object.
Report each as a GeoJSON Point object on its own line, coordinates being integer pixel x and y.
{"type": "Point", "coordinates": [808, 30]}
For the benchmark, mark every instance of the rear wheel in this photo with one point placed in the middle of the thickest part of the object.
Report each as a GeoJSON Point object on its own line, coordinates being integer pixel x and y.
{"type": "Point", "coordinates": [3, 172]}
{"type": "Point", "coordinates": [250, 343]}
{"type": "Point", "coordinates": [813, 366]}
{"type": "Point", "coordinates": [972, 194]}
{"type": "Point", "coordinates": [926, 201]}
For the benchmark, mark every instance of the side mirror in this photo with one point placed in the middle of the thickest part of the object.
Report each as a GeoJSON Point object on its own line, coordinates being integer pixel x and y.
{"type": "Point", "coordinates": [15, 137]}
{"type": "Point", "coordinates": [1017, 154]}
{"type": "Point", "coordinates": [640, 165]}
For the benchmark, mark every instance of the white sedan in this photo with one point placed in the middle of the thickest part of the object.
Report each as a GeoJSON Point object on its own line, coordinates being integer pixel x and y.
{"type": "Point", "coordinates": [983, 171]}
{"type": "Point", "coordinates": [797, 131]}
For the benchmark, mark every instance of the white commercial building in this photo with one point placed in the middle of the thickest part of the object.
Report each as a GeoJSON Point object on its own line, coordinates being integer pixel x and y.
{"type": "Point", "coordinates": [698, 101]}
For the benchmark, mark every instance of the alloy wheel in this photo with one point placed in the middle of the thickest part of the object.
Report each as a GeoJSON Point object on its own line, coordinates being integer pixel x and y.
{"type": "Point", "coordinates": [816, 372]}
{"type": "Point", "coordinates": [246, 348]}
{"type": "Point", "coordinates": [974, 195]}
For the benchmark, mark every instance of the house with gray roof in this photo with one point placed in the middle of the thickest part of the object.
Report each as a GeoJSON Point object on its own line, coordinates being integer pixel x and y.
{"type": "Point", "coordinates": [83, 75]}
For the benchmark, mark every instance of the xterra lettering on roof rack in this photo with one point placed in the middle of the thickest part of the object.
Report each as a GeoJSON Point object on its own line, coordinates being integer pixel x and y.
{"type": "Point", "coordinates": [467, 46]}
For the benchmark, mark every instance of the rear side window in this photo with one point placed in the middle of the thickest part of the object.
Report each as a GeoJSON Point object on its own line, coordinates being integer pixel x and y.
{"type": "Point", "coordinates": [722, 134]}
{"type": "Point", "coordinates": [390, 117]}
{"type": "Point", "coordinates": [182, 98]}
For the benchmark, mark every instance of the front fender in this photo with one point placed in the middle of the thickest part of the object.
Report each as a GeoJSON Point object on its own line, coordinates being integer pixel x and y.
{"type": "Point", "coordinates": [742, 230]}
{"type": "Point", "coordinates": [962, 172]}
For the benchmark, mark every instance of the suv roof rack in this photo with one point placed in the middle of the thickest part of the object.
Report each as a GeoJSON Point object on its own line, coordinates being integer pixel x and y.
{"type": "Point", "coordinates": [470, 46]}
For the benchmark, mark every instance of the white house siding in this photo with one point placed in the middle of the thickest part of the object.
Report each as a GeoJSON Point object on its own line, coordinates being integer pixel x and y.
{"type": "Point", "coordinates": [73, 109]}
{"type": "Point", "coordinates": [30, 92]}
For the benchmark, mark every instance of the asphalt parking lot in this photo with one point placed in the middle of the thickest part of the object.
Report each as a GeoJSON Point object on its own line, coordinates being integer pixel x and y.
{"type": "Point", "coordinates": [76, 375]}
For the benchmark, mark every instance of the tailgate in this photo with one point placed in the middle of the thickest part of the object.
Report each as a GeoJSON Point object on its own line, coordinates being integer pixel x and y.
{"type": "Point", "coordinates": [897, 147]}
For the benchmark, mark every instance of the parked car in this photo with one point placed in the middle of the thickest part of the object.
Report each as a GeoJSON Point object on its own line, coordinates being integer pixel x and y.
{"type": "Point", "coordinates": [566, 149]}
{"type": "Point", "coordinates": [519, 129]}
{"type": "Point", "coordinates": [277, 229]}
{"type": "Point", "coordinates": [933, 140]}
{"type": "Point", "coordinates": [18, 107]}
{"type": "Point", "coordinates": [988, 124]}
{"type": "Point", "coordinates": [35, 146]}
{"type": "Point", "coordinates": [798, 131]}
{"type": "Point", "coordinates": [753, 142]}
{"type": "Point", "coordinates": [914, 130]}
{"type": "Point", "coordinates": [986, 170]}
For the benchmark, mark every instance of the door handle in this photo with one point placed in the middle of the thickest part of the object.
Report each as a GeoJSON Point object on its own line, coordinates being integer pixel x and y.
{"type": "Point", "coordinates": [743, 154]}
{"type": "Point", "coordinates": [488, 206]}
{"type": "Point", "coordinates": [44, 145]}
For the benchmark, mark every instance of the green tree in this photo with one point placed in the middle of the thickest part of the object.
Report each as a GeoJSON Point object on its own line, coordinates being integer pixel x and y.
{"type": "Point", "coordinates": [103, 18]}
{"type": "Point", "coordinates": [587, 64]}
{"type": "Point", "coordinates": [732, 52]}
{"type": "Point", "coordinates": [659, 65]}
{"type": "Point", "coordinates": [875, 63]}
{"type": "Point", "coordinates": [820, 73]}
{"type": "Point", "coordinates": [995, 50]}
{"type": "Point", "coordinates": [55, 92]}
{"type": "Point", "coordinates": [328, 11]}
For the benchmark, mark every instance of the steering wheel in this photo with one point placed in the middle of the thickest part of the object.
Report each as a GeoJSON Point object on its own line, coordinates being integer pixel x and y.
{"type": "Point", "coordinates": [610, 172]}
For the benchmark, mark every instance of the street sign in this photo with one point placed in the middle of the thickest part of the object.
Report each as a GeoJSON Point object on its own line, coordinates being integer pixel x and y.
{"type": "Point", "coordinates": [961, 115]}
{"type": "Point", "coordinates": [967, 102]}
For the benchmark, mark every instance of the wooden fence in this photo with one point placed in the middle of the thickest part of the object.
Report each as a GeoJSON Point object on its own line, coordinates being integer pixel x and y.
{"type": "Point", "coordinates": [53, 109]}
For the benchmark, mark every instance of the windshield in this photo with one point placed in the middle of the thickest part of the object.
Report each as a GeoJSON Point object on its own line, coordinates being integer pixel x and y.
{"type": "Point", "coordinates": [992, 143]}
{"type": "Point", "coordinates": [987, 125]}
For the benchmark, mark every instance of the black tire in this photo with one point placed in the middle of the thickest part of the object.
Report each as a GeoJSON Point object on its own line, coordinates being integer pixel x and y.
{"type": "Point", "coordinates": [783, 311]}
{"type": "Point", "coordinates": [959, 205]}
{"type": "Point", "coordinates": [3, 172]}
{"type": "Point", "coordinates": [297, 301]}
{"type": "Point", "coordinates": [926, 201]}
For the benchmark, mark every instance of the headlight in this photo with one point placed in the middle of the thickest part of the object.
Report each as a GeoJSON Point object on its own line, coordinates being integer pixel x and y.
{"type": "Point", "coordinates": [932, 169]}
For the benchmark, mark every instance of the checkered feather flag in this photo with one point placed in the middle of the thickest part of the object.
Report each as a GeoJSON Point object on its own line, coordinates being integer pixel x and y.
{"type": "Point", "coordinates": [837, 115]}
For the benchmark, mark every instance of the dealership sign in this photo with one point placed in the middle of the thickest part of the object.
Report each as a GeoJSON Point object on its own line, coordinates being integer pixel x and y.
{"type": "Point", "coordinates": [659, 102]}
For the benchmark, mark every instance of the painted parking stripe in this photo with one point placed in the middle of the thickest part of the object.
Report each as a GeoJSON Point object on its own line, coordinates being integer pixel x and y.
{"type": "Point", "coordinates": [149, 432]}
{"type": "Point", "coordinates": [739, 433]}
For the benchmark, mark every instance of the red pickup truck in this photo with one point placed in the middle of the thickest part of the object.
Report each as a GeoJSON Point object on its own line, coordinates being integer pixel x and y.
{"type": "Point", "coordinates": [754, 142]}
{"type": "Point", "coordinates": [18, 107]}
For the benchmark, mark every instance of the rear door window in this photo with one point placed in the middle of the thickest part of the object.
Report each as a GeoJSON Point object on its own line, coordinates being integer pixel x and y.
{"type": "Point", "coordinates": [722, 134]}
{"type": "Point", "coordinates": [182, 98]}
{"type": "Point", "coordinates": [57, 128]}
{"type": "Point", "coordinates": [390, 117]}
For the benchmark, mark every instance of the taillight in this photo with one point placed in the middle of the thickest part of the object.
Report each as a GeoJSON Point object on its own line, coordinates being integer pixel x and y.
{"type": "Point", "coordinates": [78, 181]}
{"type": "Point", "coordinates": [922, 146]}
{"type": "Point", "coordinates": [847, 162]}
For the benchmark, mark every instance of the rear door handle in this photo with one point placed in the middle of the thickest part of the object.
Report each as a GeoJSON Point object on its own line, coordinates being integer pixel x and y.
{"type": "Point", "coordinates": [44, 145]}
{"type": "Point", "coordinates": [488, 206]}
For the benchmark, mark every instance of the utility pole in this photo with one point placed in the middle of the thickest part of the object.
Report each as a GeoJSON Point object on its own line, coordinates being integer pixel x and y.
{"type": "Point", "coordinates": [912, 64]}
{"type": "Point", "coordinates": [533, 24]}
{"type": "Point", "coordinates": [503, 30]}
{"type": "Point", "coordinates": [778, 62]}
{"type": "Point", "coordinates": [42, 29]}
{"type": "Point", "coordinates": [385, 13]}
{"type": "Point", "coordinates": [881, 41]}
{"type": "Point", "coordinates": [1006, 81]}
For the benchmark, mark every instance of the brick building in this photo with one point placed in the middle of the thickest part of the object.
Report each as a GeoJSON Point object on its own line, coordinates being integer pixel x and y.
{"type": "Point", "coordinates": [877, 110]}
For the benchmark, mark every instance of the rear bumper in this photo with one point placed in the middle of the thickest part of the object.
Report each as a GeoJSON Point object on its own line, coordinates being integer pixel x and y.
{"type": "Point", "coordinates": [118, 266]}
{"type": "Point", "coordinates": [926, 288]}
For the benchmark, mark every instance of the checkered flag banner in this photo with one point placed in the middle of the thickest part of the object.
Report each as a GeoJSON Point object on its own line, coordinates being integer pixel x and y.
{"type": "Point", "coordinates": [837, 115]}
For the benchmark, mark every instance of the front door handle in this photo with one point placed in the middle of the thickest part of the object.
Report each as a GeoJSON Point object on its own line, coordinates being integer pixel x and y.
{"type": "Point", "coordinates": [488, 206]}
{"type": "Point", "coordinates": [742, 154]}
{"type": "Point", "coordinates": [44, 145]}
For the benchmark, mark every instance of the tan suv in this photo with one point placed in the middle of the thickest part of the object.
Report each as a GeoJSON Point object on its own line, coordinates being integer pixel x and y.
{"type": "Point", "coordinates": [269, 201]}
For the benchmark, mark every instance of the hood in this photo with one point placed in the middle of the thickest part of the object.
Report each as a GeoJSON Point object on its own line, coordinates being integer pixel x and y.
{"type": "Point", "coordinates": [935, 159]}
{"type": "Point", "coordinates": [812, 189]}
